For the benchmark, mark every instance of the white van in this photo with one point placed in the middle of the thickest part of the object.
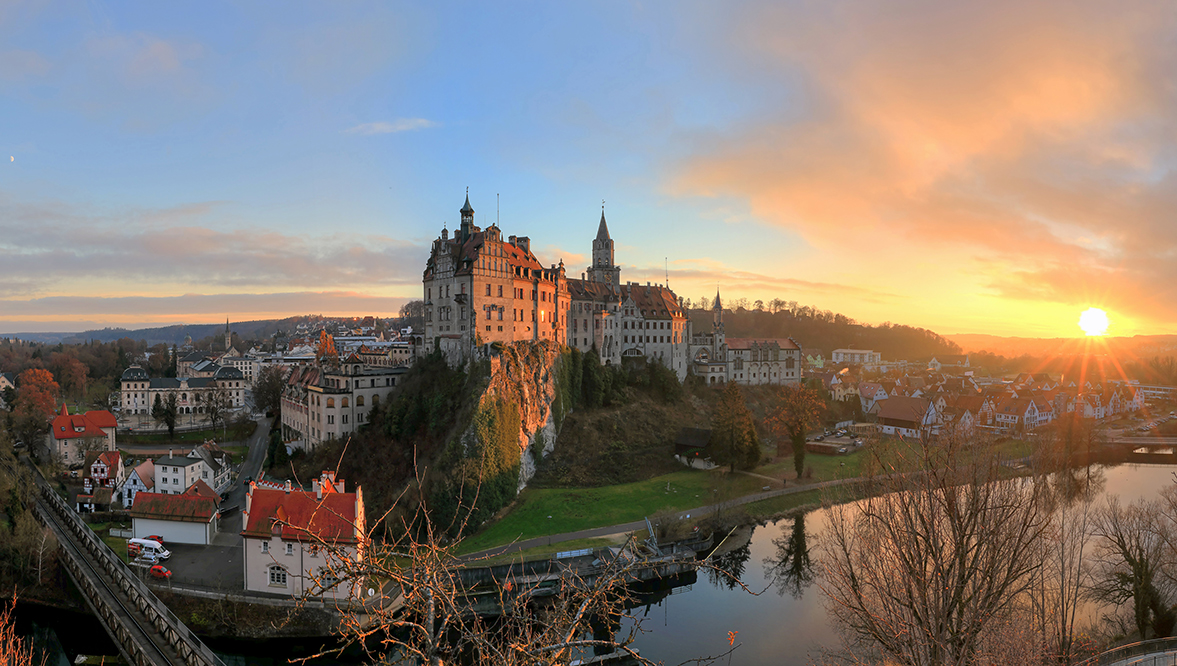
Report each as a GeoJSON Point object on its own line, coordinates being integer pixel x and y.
{"type": "Point", "coordinates": [149, 548]}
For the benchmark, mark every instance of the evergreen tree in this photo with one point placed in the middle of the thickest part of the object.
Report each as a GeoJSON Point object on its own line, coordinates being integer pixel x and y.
{"type": "Point", "coordinates": [733, 433]}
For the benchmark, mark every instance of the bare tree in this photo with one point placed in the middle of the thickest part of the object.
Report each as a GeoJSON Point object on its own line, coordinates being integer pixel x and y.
{"type": "Point", "coordinates": [925, 568]}
{"type": "Point", "coordinates": [217, 404]}
{"type": "Point", "coordinates": [434, 608]}
{"type": "Point", "coordinates": [14, 650]}
{"type": "Point", "coordinates": [1131, 545]}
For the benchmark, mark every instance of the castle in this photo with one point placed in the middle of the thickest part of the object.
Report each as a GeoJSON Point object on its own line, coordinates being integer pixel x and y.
{"type": "Point", "coordinates": [480, 289]}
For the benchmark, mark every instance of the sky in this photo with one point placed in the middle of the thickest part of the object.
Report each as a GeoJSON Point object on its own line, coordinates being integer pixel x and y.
{"type": "Point", "coordinates": [985, 167]}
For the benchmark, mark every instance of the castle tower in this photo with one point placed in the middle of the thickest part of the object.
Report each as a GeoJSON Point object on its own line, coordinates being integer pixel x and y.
{"type": "Point", "coordinates": [467, 218]}
{"type": "Point", "coordinates": [603, 269]}
{"type": "Point", "coordinates": [717, 326]}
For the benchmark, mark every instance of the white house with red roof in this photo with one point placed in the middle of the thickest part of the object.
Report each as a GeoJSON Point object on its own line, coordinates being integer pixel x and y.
{"type": "Point", "coordinates": [294, 539]}
{"type": "Point", "coordinates": [70, 436]}
{"type": "Point", "coordinates": [189, 517]}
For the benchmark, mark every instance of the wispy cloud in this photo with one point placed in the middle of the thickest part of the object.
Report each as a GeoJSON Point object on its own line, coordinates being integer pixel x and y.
{"type": "Point", "coordinates": [392, 127]}
{"type": "Point", "coordinates": [173, 247]}
{"type": "Point", "coordinates": [975, 144]}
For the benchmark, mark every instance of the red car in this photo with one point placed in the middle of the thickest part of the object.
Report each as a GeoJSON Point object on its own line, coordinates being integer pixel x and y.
{"type": "Point", "coordinates": [155, 537]}
{"type": "Point", "coordinates": [160, 571]}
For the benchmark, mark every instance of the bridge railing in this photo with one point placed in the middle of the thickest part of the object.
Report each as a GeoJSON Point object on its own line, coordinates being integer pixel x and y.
{"type": "Point", "coordinates": [165, 622]}
{"type": "Point", "coordinates": [1155, 652]}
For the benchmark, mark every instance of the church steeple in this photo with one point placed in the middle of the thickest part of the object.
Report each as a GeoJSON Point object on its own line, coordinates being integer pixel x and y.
{"type": "Point", "coordinates": [603, 230]}
{"type": "Point", "coordinates": [603, 269]}
{"type": "Point", "coordinates": [228, 336]}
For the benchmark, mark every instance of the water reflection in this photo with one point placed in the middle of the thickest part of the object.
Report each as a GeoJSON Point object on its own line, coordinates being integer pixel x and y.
{"type": "Point", "coordinates": [790, 568]}
{"type": "Point", "coordinates": [731, 559]}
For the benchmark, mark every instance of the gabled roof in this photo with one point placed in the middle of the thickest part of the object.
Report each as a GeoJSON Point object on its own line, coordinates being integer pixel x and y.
{"type": "Point", "coordinates": [298, 514]}
{"type": "Point", "coordinates": [902, 408]}
{"type": "Point", "coordinates": [77, 426]}
{"type": "Point", "coordinates": [748, 343]}
{"type": "Point", "coordinates": [201, 489]}
{"type": "Point", "coordinates": [184, 508]}
{"type": "Point", "coordinates": [146, 471]}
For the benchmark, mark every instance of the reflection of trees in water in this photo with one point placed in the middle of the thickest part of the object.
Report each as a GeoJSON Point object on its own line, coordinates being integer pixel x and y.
{"type": "Point", "coordinates": [790, 568]}
{"type": "Point", "coordinates": [1071, 485]}
{"type": "Point", "coordinates": [728, 568]}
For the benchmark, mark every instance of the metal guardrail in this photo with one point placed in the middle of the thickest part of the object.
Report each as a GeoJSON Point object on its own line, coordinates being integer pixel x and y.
{"type": "Point", "coordinates": [1155, 652]}
{"type": "Point", "coordinates": [188, 645]}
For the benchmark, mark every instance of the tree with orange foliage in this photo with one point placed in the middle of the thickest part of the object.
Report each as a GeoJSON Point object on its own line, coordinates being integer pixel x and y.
{"type": "Point", "coordinates": [14, 650]}
{"type": "Point", "coordinates": [795, 410]}
{"type": "Point", "coordinates": [37, 391]}
{"type": "Point", "coordinates": [36, 402]}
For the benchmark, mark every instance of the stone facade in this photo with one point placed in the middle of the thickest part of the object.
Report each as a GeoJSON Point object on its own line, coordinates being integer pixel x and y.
{"type": "Point", "coordinates": [331, 399]}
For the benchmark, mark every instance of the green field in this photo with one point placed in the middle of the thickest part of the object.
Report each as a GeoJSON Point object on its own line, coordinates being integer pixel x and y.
{"type": "Point", "coordinates": [583, 508]}
{"type": "Point", "coordinates": [193, 437]}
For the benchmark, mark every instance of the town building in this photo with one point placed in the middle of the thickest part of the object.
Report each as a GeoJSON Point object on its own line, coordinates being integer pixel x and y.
{"type": "Point", "coordinates": [332, 398]}
{"type": "Point", "coordinates": [185, 517]}
{"type": "Point", "coordinates": [141, 479]}
{"type": "Point", "coordinates": [71, 436]}
{"type": "Point", "coordinates": [138, 390]}
{"type": "Point", "coordinates": [103, 469]}
{"type": "Point", "coordinates": [855, 356]}
{"type": "Point", "coordinates": [174, 473]}
{"type": "Point", "coordinates": [293, 538]}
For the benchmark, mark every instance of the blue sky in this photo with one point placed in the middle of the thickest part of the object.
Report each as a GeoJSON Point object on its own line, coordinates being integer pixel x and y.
{"type": "Point", "coordinates": [187, 162]}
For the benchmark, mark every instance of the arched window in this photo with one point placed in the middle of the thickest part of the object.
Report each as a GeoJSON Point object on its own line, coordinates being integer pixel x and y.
{"type": "Point", "coordinates": [359, 401]}
{"type": "Point", "coordinates": [330, 402]}
{"type": "Point", "coordinates": [343, 403]}
{"type": "Point", "coordinates": [277, 576]}
{"type": "Point", "coordinates": [183, 396]}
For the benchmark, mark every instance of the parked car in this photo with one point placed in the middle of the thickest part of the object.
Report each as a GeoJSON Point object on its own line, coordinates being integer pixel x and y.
{"type": "Point", "coordinates": [155, 537]}
{"type": "Point", "coordinates": [160, 571]}
{"type": "Point", "coordinates": [147, 547]}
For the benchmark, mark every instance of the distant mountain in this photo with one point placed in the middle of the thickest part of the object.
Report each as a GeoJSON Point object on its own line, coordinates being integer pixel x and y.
{"type": "Point", "coordinates": [1139, 346]}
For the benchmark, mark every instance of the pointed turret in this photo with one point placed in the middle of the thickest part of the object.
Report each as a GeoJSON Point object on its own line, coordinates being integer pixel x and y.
{"type": "Point", "coordinates": [603, 230]}
{"type": "Point", "coordinates": [467, 219]}
{"type": "Point", "coordinates": [603, 269]}
{"type": "Point", "coordinates": [718, 304]}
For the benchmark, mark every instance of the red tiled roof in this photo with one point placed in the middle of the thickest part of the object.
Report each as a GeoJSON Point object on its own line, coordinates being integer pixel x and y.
{"type": "Point", "coordinates": [201, 489]}
{"type": "Point", "coordinates": [900, 408]}
{"type": "Point", "coordinates": [184, 508]}
{"type": "Point", "coordinates": [300, 514]}
{"type": "Point", "coordinates": [74, 426]}
{"type": "Point", "coordinates": [146, 471]}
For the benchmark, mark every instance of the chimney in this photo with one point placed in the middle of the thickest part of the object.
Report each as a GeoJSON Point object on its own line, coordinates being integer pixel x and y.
{"type": "Point", "coordinates": [169, 452]}
{"type": "Point", "coordinates": [287, 486]}
{"type": "Point", "coordinates": [318, 486]}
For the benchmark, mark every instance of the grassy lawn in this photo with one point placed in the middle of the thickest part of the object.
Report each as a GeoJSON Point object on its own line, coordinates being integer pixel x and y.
{"type": "Point", "coordinates": [117, 544]}
{"type": "Point", "coordinates": [776, 505]}
{"type": "Point", "coordinates": [583, 508]}
{"type": "Point", "coordinates": [1015, 449]}
{"type": "Point", "coordinates": [238, 452]}
{"type": "Point", "coordinates": [194, 437]}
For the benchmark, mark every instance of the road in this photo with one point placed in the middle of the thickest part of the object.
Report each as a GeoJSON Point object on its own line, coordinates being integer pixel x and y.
{"type": "Point", "coordinates": [219, 566]}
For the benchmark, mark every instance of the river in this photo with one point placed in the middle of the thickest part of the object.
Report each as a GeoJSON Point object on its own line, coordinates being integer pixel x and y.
{"type": "Point", "coordinates": [773, 627]}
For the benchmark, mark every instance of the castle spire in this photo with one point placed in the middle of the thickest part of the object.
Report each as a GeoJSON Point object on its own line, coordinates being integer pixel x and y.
{"type": "Point", "coordinates": [603, 230]}
{"type": "Point", "coordinates": [717, 305]}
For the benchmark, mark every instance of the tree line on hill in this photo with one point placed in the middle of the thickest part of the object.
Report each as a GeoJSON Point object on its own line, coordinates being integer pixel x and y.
{"type": "Point", "coordinates": [820, 329]}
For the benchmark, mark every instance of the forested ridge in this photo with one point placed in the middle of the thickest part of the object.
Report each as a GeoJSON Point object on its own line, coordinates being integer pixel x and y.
{"type": "Point", "coordinates": [826, 331]}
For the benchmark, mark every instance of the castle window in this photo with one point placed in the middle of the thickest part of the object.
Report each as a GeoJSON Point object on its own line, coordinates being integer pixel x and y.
{"type": "Point", "coordinates": [488, 290]}
{"type": "Point", "coordinates": [330, 402]}
{"type": "Point", "coordinates": [345, 401]}
{"type": "Point", "coordinates": [500, 294]}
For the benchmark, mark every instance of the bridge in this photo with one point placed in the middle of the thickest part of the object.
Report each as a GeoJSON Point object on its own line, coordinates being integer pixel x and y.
{"type": "Point", "coordinates": [145, 631]}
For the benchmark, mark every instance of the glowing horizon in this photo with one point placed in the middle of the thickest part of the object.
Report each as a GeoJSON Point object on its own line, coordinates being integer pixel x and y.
{"type": "Point", "coordinates": [967, 168]}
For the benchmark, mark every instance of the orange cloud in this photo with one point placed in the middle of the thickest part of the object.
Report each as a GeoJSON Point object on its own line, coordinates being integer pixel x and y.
{"type": "Point", "coordinates": [1019, 149]}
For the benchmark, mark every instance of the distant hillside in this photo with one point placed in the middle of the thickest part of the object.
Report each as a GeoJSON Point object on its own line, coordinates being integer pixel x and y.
{"type": "Point", "coordinates": [1141, 346]}
{"type": "Point", "coordinates": [827, 331]}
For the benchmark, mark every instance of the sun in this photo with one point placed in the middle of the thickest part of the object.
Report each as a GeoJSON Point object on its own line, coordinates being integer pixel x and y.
{"type": "Point", "coordinates": [1094, 321]}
